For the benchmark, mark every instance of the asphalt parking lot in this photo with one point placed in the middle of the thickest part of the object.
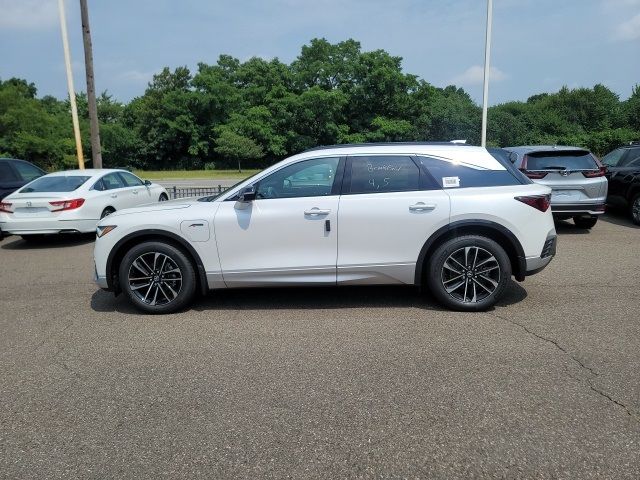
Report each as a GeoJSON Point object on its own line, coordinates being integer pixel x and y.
{"type": "Point", "coordinates": [323, 383]}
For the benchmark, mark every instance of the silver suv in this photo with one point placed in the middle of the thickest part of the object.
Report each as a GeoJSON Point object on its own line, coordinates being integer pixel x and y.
{"type": "Point", "coordinates": [575, 175]}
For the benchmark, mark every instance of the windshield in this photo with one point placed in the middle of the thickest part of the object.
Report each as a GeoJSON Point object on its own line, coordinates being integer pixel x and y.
{"type": "Point", "coordinates": [211, 198]}
{"type": "Point", "coordinates": [561, 160]}
{"type": "Point", "coordinates": [56, 183]}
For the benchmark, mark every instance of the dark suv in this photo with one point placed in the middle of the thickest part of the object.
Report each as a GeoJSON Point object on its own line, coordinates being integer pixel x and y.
{"type": "Point", "coordinates": [623, 171]}
{"type": "Point", "coordinates": [15, 173]}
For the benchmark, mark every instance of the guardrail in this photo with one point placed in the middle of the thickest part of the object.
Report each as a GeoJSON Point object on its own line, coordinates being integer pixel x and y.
{"type": "Point", "coordinates": [185, 192]}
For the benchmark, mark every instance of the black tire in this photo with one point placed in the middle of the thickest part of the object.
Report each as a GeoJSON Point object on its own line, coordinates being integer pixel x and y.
{"type": "Point", "coordinates": [634, 209]}
{"type": "Point", "coordinates": [33, 238]}
{"type": "Point", "coordinates": [107, 211]}
{"type": "Point", "coordinates": [163, 197]}
{"type": "Point", "coordinates": [158, 299]}
{"type": "Point", "coordinates": [477, 292]}
{"type": "Point", "coordinates": [585, 222]}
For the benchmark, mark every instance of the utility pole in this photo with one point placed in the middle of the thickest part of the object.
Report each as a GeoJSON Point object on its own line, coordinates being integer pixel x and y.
{"type": "Point", "coordinates": [96, 149]}
{"type": "Point", "coordinates": [72, 92]}
{"type": "Point", "coordinates": [487, 66]}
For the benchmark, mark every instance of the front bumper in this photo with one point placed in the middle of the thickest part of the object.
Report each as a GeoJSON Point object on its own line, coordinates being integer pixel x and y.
{"type": "Point", "coordinates": [101, 281]}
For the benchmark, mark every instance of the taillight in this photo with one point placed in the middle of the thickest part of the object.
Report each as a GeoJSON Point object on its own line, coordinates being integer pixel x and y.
{"type": "Point", "coordinates": [534, 175]}
{"type": "Point", "coordinates": [67, 204]}
{"type": "Point", "coordinates": [5, 207]}
{"type": "Point", "coordinates": [595, 173]}
{"type": "Point", "coordinates": [539, 202]}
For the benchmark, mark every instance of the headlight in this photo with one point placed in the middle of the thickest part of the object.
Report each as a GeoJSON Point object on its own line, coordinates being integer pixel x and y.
{"type": "Point", "coordinates": [102, 230]}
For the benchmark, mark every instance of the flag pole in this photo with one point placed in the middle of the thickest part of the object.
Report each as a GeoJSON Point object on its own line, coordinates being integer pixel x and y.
{"type": "Point", "coordinates": [72, 93]}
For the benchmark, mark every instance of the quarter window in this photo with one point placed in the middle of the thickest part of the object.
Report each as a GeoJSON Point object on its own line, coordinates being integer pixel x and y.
{"type": "Point", "coordinates": [309, 178]}
{"type": "Point", "coordinates": [383, 174]}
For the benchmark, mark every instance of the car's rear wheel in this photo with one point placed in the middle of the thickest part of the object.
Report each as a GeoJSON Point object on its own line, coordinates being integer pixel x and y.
{"type": "Point", "coordinates": [107, 211]}
{"type": "Point", "coordinates": [585, 222]}
{"type": "Point", "coordinates": [163, 197]}
{"type": "Point", "coordinates": [157, 277]}
{"type": "Point", "coordinates": [634, 209]}
{"type": "Point", "coordinates": [469, 273]}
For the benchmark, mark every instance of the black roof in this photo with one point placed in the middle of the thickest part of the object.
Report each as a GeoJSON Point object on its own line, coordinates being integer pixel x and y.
{"type": "Point", "coordinates": [382, 144]}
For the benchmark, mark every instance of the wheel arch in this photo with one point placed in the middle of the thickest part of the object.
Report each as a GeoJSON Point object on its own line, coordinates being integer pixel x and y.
{"type": "Point", "coordinates": [120, 249]}
{"type": "Point", "coordinates": [499, 233]}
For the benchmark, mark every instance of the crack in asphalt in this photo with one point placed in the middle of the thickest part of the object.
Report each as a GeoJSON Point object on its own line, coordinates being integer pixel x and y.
{"type": "Point", "coordinates": [575, 360]}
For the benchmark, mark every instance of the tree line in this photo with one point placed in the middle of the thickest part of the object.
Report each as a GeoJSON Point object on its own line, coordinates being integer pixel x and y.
{"type": "Point", "coordinates": [259, 111]}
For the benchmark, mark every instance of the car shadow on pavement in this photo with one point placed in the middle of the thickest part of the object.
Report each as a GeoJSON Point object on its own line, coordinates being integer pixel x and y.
{"type": "Point", "coordinates": [619, 217]}
{"type": "Point", "coordinates": [49, 241]}
{"type": "Point", "coordinates": [305, 298]}
{"type": "Point", "coordinates": [566, 227]}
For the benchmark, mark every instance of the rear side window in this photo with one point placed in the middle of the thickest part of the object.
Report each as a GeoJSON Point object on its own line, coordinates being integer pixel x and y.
{"type": "Point", "coordinates": [561, 160]}
{"type": "Point", "coordinates": [383, 174]}
{"type": "Point", "coordinates": [57, 183]}
{"type": "Point", "coordinates": [28, 172]}
{"type": "Point", "coordinates": [6, 173]}
{"type": "Point", "coordinates": [112, 181]}
{"type": "Point", "coordinates": [454, 175]}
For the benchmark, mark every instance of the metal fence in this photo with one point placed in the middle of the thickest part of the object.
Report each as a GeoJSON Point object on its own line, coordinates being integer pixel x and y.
{"type": "Point", "coordinates": [185, 192]}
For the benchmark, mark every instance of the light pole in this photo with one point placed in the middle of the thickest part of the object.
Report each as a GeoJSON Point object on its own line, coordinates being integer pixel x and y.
{"type": "Point", "coordinates": [72, 92]}
{"type": "Point", "coordinates": [487, 63]}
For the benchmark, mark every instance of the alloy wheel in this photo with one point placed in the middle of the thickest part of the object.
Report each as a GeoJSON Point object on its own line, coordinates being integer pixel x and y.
{"type": "Point", "coordinates": [470, 274]}
{"type": "Point", "coordinates": [155, 278]}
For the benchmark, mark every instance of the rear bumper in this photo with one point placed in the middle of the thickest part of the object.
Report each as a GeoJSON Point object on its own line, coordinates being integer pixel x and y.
{"type": "Point", "coordinates": [34, 226]}
{"type": "Point", "coordinates": [536, 264]}
{"type": "Point", "coordinates": [570, 209]}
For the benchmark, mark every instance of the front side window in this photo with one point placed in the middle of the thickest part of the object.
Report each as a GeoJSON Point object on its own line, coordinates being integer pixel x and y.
{"type": "Point", "coordinates": [308, 178]}
{"type": "Point", "coordinates": [28, 172]}
{"type": "Point", "coordinates": [130, 180]}
{"type": "Point", "coordinates": [383, 174]}
{"type": "Point", "coordinates": [112, 181]}
{"type": "Point", "coordinates": [55, 183]}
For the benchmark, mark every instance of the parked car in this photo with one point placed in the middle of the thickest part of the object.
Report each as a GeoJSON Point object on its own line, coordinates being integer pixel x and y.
{"type": "Point", "coordinates": [16, 173]}
{"type": "Point", "coordinates": [623, 172]}
{"type": "Point", "coordinates": [575, 175]}
{"type": "Point", "coordinates": [448, 217]}
{"type": "Point", "coordinates": [73, 201]}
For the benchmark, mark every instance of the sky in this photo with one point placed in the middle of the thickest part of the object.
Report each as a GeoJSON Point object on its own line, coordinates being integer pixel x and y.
{"type": "Point", "coordinates": [538, 45]}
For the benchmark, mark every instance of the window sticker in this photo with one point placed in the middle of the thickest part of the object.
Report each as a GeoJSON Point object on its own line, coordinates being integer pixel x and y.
{"type": "Point", "coordinates": [450, 182]}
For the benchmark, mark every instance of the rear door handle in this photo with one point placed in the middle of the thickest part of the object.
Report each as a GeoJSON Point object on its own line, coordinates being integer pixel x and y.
{"type": "Point", "coordinates": [421, 207]}
{"type": "Point", "coordinates": [317, 211]}
{"type": "Point", "coordinates": [114, 195]}
{"type": "Point", "coordinates": [135, 192]}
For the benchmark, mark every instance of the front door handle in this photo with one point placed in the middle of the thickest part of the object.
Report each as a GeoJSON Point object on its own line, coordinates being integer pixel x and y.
{"type": "Point", "coordinates": [114, 195]}
{"type": "Point", "coordinates": [421, 207]}
{"type": "Point", "coordinates": [317, 211]}
{"type": "Point", "coordinates": [135, 192]}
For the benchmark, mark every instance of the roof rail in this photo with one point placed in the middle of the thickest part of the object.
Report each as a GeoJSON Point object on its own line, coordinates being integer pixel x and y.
{"type": "Point", "coordinates": [384, 144]}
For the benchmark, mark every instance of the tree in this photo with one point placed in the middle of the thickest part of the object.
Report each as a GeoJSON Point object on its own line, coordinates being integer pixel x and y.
{"type": "Point", "coordinates": [235, 146]}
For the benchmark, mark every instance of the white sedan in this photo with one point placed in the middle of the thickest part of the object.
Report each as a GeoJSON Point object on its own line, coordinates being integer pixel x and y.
{"type": "Point", "coordinates": [74, 201]}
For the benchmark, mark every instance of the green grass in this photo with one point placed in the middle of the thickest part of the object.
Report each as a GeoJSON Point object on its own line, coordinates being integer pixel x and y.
{"type": "Point", "coordinates": [190, 174]}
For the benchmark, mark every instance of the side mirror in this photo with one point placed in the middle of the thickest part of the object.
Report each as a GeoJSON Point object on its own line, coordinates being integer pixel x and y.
{"type": "Point", "coordinates": [513, 157]}
{"type": "Point", "coordinates": [147, 183]}
{"type": "Point", "coordinates": [248, 194]}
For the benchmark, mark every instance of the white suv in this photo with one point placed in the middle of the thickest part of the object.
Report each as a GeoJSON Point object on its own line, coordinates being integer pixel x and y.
{"type": "Point", "coordinates": [447, 216]}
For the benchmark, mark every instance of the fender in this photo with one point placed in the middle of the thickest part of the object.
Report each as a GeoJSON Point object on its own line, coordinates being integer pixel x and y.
{"type": "Point", "coordinates": [520, 264]}
{"type": "Point", "coordinates": [204, 286]}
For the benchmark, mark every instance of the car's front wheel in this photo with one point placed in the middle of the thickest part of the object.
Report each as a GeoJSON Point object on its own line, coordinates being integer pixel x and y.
{"type": "Point", "coordinates": [163, 197]}
{"type": "Point", "coordinates": [469, 273]}
{"type": "Point", "coordinates": [635, 209]}
{"type": "Point", "coordinates": [157, 277]}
